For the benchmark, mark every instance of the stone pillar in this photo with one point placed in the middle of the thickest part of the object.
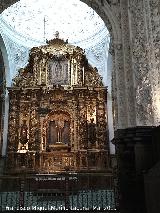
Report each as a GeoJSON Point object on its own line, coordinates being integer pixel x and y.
{"type": "Point", "coordinates": [134, 156]}
{"type": "Point", "coordinates": [152, 177]}
{"type": "Point", "coordinates": [122, 115]}
{"type": "Point", "coordinates": [140, 51]}
{"type": "Point", "coordinates": [152, 186]}
{"type": "Point", "coordinates": [109, 103]}
{"type": "Point", "coordinates": [127, 63]}
{"type": "Point", "coordinates": [5, 128]}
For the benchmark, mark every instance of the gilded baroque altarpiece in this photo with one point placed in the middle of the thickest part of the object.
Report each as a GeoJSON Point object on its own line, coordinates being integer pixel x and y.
{"type": "Point", "coordinates": [57, 113]}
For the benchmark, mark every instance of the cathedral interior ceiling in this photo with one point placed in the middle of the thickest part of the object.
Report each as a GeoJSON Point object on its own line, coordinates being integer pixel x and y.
{"type": "Point", "coordinates": [20, 33]}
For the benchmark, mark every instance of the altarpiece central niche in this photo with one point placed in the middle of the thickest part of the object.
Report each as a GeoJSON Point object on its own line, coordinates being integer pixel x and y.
{"type": "Point", "coordinates": [57, 113]}
{"type": "Point", "coordinates": [58, 130]}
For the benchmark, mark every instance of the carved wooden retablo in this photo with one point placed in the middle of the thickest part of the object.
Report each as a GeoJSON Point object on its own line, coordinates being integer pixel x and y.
{"type": "Point", "coordinates": [57, 114]}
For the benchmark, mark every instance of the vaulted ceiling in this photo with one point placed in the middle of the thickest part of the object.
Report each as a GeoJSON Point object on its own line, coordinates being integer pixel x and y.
{"type": "Point", "coordinates": [29, 23]}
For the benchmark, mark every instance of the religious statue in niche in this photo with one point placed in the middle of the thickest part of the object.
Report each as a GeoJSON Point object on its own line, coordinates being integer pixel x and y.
{"type": "Point", "coordinates": [24, 133]}
{"type": "Point", "coordinates": [59, 132]}
{"type": "Point", "coordinates": [66, 133]}
{"type": "Point", "coordinates": [92, 131]}
{"type": "Point", "coordinates": [59, 72]}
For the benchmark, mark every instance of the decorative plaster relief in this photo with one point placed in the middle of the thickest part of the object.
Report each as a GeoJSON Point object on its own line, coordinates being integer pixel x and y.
{"type": "Point", "coordinates": [17, 54]}
{"type": "Point", "coordinates": [97, 56]}
{"type": "Point", "coordinates": [99, 8]}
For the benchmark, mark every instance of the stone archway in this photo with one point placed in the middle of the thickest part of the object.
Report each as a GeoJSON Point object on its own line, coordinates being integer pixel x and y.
{"type": "Point", "coordinates": [4, 102]}
{"type": "Point", "coordinates": [122, 79]}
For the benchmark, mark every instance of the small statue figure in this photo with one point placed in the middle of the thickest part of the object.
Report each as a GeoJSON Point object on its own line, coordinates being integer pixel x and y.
{"type": "Point", "coordinates": [92, 131]}
{"type": "Point", "coordinates": [66, 133]}
{"type": "Point", "coordinates": [24, 131]}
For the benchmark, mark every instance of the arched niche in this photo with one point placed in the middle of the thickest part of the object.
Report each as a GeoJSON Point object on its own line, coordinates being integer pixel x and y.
{"type": "Point", "coordinates": [57, 127]}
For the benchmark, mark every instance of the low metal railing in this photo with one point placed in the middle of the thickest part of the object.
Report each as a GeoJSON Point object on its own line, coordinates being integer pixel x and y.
{"type": "Point", "coordinates": [78, 192]}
